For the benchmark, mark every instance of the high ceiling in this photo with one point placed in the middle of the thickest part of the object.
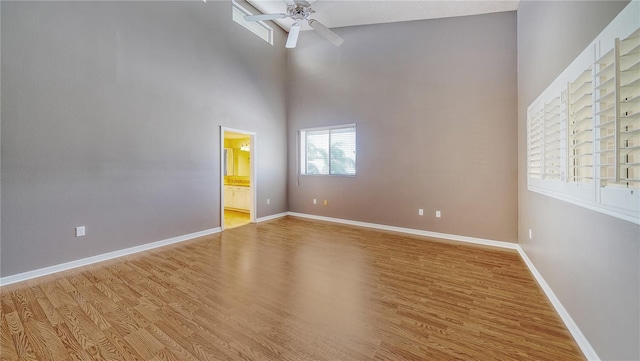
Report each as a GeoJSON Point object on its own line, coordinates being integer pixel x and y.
{"type": "Point", "coordinates": [339, 13]}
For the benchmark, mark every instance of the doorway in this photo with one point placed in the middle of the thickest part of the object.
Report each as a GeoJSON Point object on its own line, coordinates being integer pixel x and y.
{"type": "Point", "coordinates": [237, 177]}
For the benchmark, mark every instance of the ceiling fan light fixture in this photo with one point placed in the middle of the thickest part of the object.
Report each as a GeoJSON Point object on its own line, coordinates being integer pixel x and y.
{"type": "Point", "coordinates": [299, 10]}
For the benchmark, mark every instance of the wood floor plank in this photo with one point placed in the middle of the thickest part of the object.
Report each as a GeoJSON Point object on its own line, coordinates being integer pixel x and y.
{"type": "Point", "coordinates": [21, 343]}
{"type": "Point", "coordinates": [170, 343]}
{"type": "Point", "coordinates": [26, 305]}
{"type": "Point", "coordinates": [144, 343]}
{"type": "Point", "coordinates": [66, 337]}
{"type": "Point", "coordinates": [7, 348]}
{"type": "Point", "coordinates": [289, 289]}
{"type": "Point", "coordinates": [46, 343]}
{"type": "Point", "coordinates": [126, 352]}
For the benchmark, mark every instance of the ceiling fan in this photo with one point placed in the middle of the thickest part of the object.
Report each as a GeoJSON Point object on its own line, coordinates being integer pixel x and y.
{"type": "Point", "coordinates": [299, 11]}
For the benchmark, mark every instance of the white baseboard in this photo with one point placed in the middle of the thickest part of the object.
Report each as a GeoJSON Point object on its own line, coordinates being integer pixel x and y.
{"type": "Point", "coordinates": [581, 340]}
{"type": "Point", "coordinates": [417, 232]}
{"type": "Point", "coordinates": [273, 216]}
{"type": "Point", "coordinates": [573, 328]}
{"type": "Point", "coordinates": [101, 257]}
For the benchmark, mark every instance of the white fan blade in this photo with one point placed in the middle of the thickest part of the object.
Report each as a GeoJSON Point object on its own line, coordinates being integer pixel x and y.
{"type": "Point", "coordinates": [302, 2]}
{"type": "Point", "coordinates": [292, 40]}
{"type": "Point", "coordinates": [262, 17]}
{"type": "Point", "coordinates": [290, 2]}
{"type": "Point", "coordinates": [325, 32]}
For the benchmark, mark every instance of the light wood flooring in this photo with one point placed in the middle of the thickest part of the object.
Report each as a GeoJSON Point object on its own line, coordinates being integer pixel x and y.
{"type": "Point", "coordinates": [289, 289]}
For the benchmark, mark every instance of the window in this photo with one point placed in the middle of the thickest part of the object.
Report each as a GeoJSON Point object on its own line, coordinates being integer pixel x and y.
{"type": "Point", "coordinates": [328, 151]}
{"type": "Point", "coordinates": [259, 28]}
{"type": "Point", "coordinates": [583, 131]}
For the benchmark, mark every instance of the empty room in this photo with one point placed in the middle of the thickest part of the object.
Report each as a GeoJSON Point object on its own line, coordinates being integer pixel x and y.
{"type": "Point", "coordinates": [320, 180]}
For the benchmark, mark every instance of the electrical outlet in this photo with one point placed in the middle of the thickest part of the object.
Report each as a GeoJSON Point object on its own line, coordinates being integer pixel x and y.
{"type": "Point", "coordinates": [80, 231]}
{"type": "Point", "coordinates": [268, 201]}
{"type": "Point", "coordinates": [314, 201]}
{"type": "Point", "coordinates": [326, 202]}
{"type": "Point", "coordinates": [421, 212]}
{"type": "Point", "coordinates": [438, 214]}
{"type": "Point", "coordinates": [530, 234]}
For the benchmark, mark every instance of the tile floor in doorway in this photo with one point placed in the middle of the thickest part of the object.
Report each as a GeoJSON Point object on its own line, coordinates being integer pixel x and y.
{"type": "Point", "coordinates": [234, 219]}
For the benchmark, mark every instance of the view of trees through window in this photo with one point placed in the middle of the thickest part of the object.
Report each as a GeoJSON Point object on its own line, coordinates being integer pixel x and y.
{"type": "Point", "coordinates": [329, 151]}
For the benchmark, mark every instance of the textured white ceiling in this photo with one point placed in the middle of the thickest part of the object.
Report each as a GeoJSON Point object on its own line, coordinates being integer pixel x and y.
{"type": "Point", "coordinates": [338, 13]}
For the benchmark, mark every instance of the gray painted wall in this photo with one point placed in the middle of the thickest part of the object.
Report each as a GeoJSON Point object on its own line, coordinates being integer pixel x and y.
{"type": "Point", "coordinates": [110, 119]}
{"type": "Point", "coordinates": [435, 105]}
{"type": "Point", "coordinates": [110, 116]}
{"type": "Point", "coordinates": [590, 260]}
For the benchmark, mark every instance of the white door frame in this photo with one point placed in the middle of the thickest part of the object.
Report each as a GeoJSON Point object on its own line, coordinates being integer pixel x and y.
{"type": "Point", "coordinates": [252, 178]}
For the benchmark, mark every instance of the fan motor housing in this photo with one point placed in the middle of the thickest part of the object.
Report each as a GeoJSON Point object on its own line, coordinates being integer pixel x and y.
{"type": "Point", "coordinates": [299, 12]}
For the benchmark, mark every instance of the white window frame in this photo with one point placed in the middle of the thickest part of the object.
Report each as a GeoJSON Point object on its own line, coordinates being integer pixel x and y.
{"type": "Point", "coordinates": [613, 200]}
{"type": "Point", "coordinates": [248, 25]}
{"type": "Point", "coordinates": [303, 156]}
